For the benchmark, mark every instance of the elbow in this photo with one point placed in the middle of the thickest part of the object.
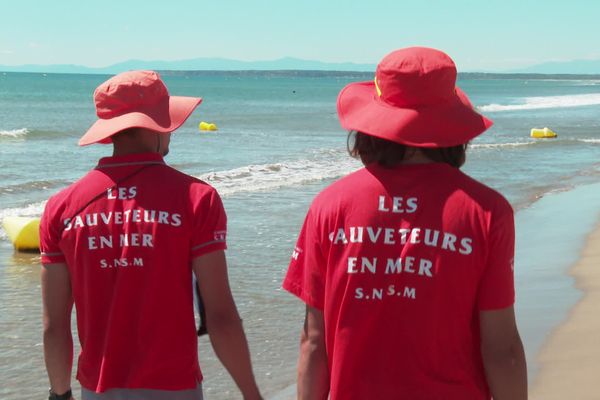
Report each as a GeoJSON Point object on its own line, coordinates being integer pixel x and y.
{"type": "Point", "coordinates": [52, 331]}
{"type": "Point", "coordinates": [509, 354]}
{"type": "Point", "coordinates": [223, 320]}
{"type": "Point", "coordinates": [54, 335]}
{"type": "Point", "coordinates": [54, 328]}
{"type": "Point", "coordinates": [494, 358]}
{"type": "Point", "coordinates": [312, 343]}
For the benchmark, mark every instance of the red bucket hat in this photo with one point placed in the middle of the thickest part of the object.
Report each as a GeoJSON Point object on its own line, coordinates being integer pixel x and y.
{"type": "Point", "coordinates": [136, 99]}
{"type": "Point", "coordinates": [413, 100]}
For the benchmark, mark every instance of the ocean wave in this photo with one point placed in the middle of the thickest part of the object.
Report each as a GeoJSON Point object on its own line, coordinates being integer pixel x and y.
{"type": "Point", "coordinates": [587, 82]}
{"type": "Point", "coordinates": [536, 103]}
{"type": "Point", "coordinates": [265, 177]}
{"type": "Point", "coordinates": [33, 186]}
{"type": "Point", "coordinates": [326, 164]}
{"type": "Point", "coordinates": [500, 145]}
{"type": "Point", "coordinates": [562, 141]}
{"type": "Point", "coordinates": [14, 133]}
{"type": "Point", "coordinates": [31, 210]}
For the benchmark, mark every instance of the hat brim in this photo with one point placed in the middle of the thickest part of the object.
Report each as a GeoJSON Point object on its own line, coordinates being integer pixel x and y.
{"type": "Point", "coordinates": [442, 125]}
{"type": "Point", "coordinates": [163, 117]}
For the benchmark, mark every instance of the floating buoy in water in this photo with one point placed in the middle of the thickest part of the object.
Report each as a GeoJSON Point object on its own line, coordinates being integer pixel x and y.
{"type": "Point", "coordinates": [206, 126]}
{"type": "Point", "coordinates": [23, 232]}
{"type": "Point", "coordinates": [542, 133]}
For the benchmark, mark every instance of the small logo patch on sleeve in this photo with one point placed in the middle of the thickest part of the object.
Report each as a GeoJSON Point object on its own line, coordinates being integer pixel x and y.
{"type": "Point", "coordinates": [296, 253]}
{"type": "Point", "coordinates": [220, 236]}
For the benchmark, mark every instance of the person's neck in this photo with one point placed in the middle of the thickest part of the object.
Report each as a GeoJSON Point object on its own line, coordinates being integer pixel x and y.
{"type": "Point", "coordinates": [129, 150]}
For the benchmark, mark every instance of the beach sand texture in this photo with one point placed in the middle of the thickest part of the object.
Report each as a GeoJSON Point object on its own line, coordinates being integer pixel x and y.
{"type": "Point", "coordinates": [570, 358]}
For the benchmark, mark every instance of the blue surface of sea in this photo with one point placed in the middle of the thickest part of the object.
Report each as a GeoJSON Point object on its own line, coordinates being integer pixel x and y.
{"type": "Point", "coordinates": [278, 144]}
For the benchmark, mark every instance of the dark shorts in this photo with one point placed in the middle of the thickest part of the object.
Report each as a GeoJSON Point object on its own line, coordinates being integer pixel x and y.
{"type": "Point", "coordinates": [143, 394]}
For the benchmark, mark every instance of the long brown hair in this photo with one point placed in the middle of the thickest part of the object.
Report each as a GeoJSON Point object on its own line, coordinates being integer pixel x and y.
{"type": "Point", "coordinates": [371, 149]}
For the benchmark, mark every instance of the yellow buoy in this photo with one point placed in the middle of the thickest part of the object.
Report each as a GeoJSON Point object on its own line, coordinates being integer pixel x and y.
{"type": "Point", "coordinates": [543, 133]}
{"type": "Point", "coordinates": [23, 232]}
{"type": "Point", "coordinates": [207, 126]}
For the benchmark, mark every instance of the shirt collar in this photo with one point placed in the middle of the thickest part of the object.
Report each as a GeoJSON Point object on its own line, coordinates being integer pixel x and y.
{"type": "Point", "coordinates": [131, 159]}
{"type": "Point", "coordinates": [428, 166]}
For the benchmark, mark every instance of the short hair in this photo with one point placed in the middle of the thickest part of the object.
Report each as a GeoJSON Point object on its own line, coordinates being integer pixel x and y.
{"type": "Point", "coordinates": [126, 132]}
{"type": "Point", "coordinates": [371, 149]}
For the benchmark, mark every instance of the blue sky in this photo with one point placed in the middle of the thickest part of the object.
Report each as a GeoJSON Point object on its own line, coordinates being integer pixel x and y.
{"type": "Point", "coordinates": [479, 35]}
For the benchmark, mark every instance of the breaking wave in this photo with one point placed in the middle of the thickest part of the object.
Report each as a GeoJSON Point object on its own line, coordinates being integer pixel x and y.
{"type": "Point", "coordinates": [31, 210]}
{"type": "Point", "coordinates": [536, 103]}
{"type": "Point", "coordinates": [499, 145]}
{"type": "Point", "coordinates": [265, 177]}
{"type": "Point", "coordinates": [15, 133]}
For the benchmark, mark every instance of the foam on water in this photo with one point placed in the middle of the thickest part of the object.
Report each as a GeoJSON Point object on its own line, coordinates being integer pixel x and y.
{"type": "Point", "coordinates": [33, 185]}
{"type": "Point", "coordinates": [500, 145]}
{"type": "Point", "coordinates": [593, 141]}
{"type": "Point", "coordinates": [587, 82]}
{"type": "Point", "coordinates": [31, 210]}
{"type": "Point", "coordinates": [536, 103]}
{"type": "Point", "coordinates": [14, 132]}
{"type": "Point", "coordinates": [534, 142]}
{"type": "Point", "coordinates": [264, 177]}
{"type": "Point", "coordinates": [322, 165]}
{"type": "Point", "coordinates": [250, 178]}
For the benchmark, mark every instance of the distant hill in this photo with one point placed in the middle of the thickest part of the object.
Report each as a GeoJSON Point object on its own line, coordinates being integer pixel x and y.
{"type": "Point", "coordinates": [363, 75]}
{"type": "Point", "coordinates": [53, 69]}
{"type": "Point", "coordinates": [283, 66]}
{"type": "Point", "coordinates": [305, 73]}
{"type": "Point", "coordinates": [563, 67]}
{"type": "Point", "coordinates": [493, 75]}
{"type": "Point", "coordinates": [196, 64]}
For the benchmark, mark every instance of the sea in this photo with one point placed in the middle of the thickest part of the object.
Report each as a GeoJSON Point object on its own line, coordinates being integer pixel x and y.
{"type": "Point", "coordinates": [278, 144]}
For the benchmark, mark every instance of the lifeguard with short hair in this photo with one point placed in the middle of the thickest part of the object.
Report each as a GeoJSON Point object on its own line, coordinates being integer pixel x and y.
{"type": "Point", "coordinates": [122, 244]}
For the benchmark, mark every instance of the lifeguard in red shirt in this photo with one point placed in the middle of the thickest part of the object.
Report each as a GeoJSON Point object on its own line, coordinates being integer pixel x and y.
{"type": "Point", "coordinates": [406, 266]}
{"type": "Point", "coordinates": [122, 243]}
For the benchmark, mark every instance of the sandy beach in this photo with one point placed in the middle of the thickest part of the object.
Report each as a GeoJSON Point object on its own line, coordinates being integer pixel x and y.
{"type": "Point", "coordinates": [569, 358]}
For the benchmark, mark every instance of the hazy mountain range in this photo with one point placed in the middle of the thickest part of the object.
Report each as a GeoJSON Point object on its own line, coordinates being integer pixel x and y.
{"type": "Point", "coordinates": [287, 63]}
{"type": "Point", "coordinates": [196, 64]}
{"type": "Point", "coordinates": [563, 67]}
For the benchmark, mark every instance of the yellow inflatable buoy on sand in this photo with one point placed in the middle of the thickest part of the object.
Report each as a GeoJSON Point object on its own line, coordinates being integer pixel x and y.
{"type": "Point", "coordinates": [206, 126]}
{"type": "Point", "coordinates": [23, 232]}
{"type": "Point", "coordinates": [542, 133]}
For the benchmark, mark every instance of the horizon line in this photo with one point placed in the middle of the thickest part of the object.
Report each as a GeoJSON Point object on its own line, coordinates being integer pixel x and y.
{"type": "Point", "coordinates": [308, 71]}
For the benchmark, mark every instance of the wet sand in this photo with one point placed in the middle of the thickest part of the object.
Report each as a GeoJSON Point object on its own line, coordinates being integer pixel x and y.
{"type": "Point", "coordinates": [569, 360]}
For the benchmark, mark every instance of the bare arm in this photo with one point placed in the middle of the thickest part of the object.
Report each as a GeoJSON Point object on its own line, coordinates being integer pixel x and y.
{"type": "Point", "coordinates": [58, 342]}
{"type": "Point", "coordinates": [503, 355]}
{"type": "Point", "coordinates": [223, 321]}
{"type": "Point", "coordinates": [313, 369]}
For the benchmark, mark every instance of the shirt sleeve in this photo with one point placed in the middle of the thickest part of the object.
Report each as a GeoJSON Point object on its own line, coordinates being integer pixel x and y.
{"type": "Point", "coordinates": [305, 277]}
{"type": "Point", "coordinates": [50, 235]}
{"type": "Point", "coordinates": [209, 223]}
{"type": "Point", "coordinates": [497, 288]}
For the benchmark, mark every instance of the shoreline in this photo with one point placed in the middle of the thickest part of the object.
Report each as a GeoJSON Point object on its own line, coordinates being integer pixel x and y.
{"type": "Point", "coordinates": [569, 356]}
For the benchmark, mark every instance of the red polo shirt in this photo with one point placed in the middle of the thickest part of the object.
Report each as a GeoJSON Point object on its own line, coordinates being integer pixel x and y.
{"type": "Point", "coordinates": [401, 261]}
{"type": "Point", "coordinates": [129, 250]}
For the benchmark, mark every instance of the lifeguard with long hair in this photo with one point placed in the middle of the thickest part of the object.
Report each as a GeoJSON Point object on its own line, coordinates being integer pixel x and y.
{"type": "Point", "coordinates": [406, 265]}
